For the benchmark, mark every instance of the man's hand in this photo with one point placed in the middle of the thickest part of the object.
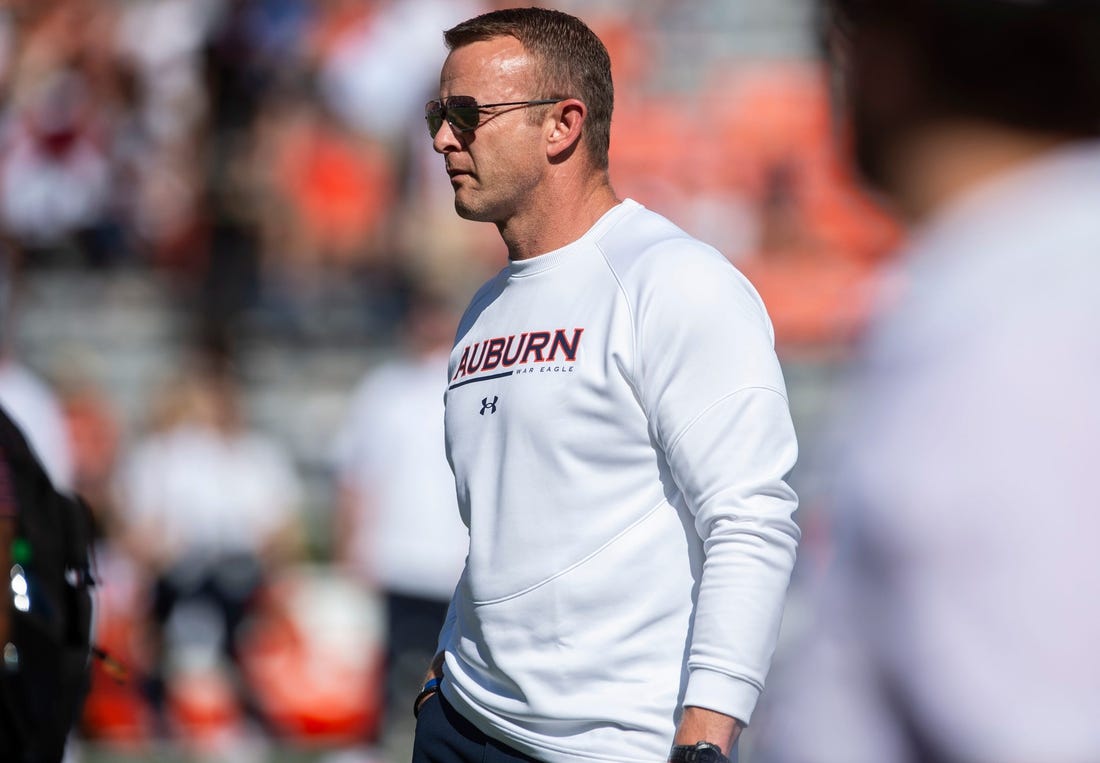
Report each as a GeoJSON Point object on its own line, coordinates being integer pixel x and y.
{"type": "Point", "coordinates": [435, 670]}
{"type": "Point", "coordinates": [701, 725]}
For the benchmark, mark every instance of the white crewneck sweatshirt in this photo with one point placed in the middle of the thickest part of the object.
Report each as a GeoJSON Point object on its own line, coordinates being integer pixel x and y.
{"type": "Point", "coordinates": [617, 422]}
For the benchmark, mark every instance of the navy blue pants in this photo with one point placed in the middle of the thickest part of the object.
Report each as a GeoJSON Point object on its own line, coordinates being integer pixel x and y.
{"type": "Point", "coordinates": [444, 736]}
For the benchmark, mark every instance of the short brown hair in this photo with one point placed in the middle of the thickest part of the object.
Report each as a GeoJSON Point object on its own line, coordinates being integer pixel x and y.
{"type": "Point", "coordinates": [574, 62]}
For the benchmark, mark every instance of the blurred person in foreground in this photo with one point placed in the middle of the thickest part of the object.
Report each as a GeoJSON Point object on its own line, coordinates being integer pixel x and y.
{"type": "Point", "coordinates": [399, 529]}
{"type": "Point", "coordinates": [45, 605]}
{"type": "Point", "coordinates": [959, 618]}
{"type": "Point", "coordinates": [619, 431]}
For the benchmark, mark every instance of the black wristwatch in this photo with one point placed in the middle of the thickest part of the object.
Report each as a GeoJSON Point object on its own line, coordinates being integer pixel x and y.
{"type": "Point", "coordinates": [700, 752]}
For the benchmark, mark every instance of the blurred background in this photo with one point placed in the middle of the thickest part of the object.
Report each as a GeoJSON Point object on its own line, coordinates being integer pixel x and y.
{"type": "Point", "coordinates": [226, 249]}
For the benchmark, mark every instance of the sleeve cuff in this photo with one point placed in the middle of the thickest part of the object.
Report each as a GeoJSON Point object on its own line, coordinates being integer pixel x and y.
{"type": "Point", "coordinates": [721, 693]}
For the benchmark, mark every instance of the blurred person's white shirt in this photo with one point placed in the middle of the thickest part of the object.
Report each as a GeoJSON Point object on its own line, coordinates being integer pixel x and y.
{"type": "Point", "coordinates": [409, 537]}
{"type": "Point", "coordinates": [383, 71]}
{"type": "Point", "coordinates": [46, 195]}
{"type": "Point", "coordinates": [961, 621]}
{"type": "Point", "coordinates": [209, 494]}
{"type": "Point", "coordinates": [164, 41]}
{"type": "Point", "coordinates": [34, 407]}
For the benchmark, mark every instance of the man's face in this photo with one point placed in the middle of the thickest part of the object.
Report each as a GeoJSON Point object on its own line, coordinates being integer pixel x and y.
{"type": "Point", "coordinates": [495, 168]}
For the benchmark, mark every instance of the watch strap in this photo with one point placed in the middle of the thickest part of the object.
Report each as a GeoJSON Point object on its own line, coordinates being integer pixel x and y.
{"type": "Point", "coordinates": [700, 752]}
{"type": "Point", "coordinates": [430, 687]}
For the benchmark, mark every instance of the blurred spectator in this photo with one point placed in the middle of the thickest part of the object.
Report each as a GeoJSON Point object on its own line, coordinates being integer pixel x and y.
{"type": "Point", "coordinates": [399, 527]}
{"type": "Point", "coordinates": [58, 192]}
{"type": "Point", "coordinates": [958, 621]}
{"type": "Point", "coordinates": [55, 178]}
{"type": "Point", "coordinates": [814, 243]}
{"type": "Point", "coordinates": [209, 508]}
{"type": "Point", "coordinates": [818, 294]}
{"type": "Point", "coordinates": [755, 171]}
{"type": "Point", "coordinates": [163, 41]}
{"type": "Point", "coordinates": [356, 73]}
{"type": "Point", "coordinates": [94, 433]}
{"type": "Point", "coordinates": [329, 191]}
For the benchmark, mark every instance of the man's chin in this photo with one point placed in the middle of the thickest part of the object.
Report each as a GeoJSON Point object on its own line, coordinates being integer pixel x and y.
{"type": "Point", "coordinates": [468, 212]}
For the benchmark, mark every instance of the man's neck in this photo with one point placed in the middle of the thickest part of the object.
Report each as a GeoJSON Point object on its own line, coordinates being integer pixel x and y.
{"type": "Point", "coordinates": [939, 164]}
{"type": "Point", "coordinates": [558, 219]}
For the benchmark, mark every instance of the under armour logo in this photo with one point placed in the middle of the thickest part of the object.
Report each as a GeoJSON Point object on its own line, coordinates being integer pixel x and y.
{"type": "Point", "coordinates": [489, 405]}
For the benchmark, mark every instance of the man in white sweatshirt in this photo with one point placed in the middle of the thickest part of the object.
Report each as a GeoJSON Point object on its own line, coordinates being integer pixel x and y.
{"type": "Point", "coordinates": [619, 431]}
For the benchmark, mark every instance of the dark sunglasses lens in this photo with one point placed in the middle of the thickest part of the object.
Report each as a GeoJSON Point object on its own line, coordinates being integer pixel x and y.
{"type": "Point", "coordinates": [433, 113]}
{"type": "Point", "coordinates": [463, 117]}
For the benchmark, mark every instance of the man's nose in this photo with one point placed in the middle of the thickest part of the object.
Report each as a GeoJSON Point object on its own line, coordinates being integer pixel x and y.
{"type": "Point", "coordinates": [446, 139]}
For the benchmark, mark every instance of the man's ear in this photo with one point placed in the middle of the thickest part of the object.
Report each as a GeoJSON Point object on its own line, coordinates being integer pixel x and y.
{"type": "Point", "coordinates": [565, 121]}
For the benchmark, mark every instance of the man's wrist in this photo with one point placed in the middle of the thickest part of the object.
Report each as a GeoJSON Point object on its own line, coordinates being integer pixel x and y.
{"type": "Point", "coordinates": [700, 752]}
{"type": "Point", "coordinates": [699, 724]}
{"type": "Point", "coordinates": [430, 687]}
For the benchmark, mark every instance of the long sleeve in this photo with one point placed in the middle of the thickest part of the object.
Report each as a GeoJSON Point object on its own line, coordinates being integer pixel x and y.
{"type": "Point", "coordinates": [715, 396]}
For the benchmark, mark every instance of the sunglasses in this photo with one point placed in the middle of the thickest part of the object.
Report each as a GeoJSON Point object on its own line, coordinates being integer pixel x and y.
{"type": "Point", "coordinates": [463, 113]}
